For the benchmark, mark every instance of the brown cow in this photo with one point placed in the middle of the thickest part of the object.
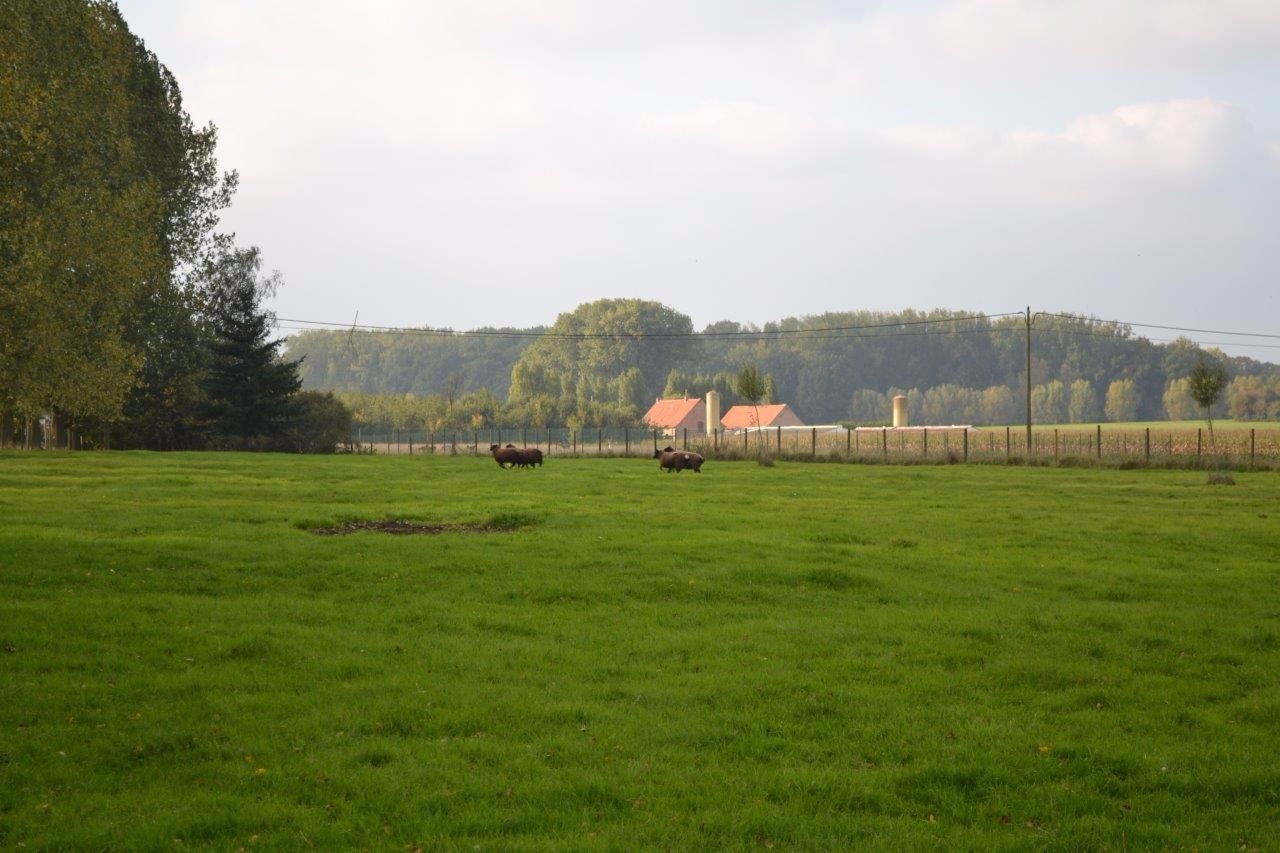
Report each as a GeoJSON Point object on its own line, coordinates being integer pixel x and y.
{"type": "Point", "coordinates": [506, 457]}
{"type": "Point", "coordinates": [515, 457]}
{"type": "Point", "coordinates": [678, 460]}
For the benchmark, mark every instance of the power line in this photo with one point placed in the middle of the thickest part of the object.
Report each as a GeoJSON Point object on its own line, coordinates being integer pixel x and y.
{"type": "Point", "coordinates": [1167, 328]}
{"type": "Point", "coordinates": [994, 330]}
{"type": "Point", "coordinates": [324, 325]}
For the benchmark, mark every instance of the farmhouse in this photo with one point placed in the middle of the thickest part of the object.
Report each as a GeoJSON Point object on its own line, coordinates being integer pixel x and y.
{"type": "Point", "coordinates": [744, 417]}
{"type": "Point", "coordinates": [672, 416]}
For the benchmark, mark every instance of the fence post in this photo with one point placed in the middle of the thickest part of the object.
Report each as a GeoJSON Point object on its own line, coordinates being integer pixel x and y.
{"type": "Point", "coordinates": [715, 438]}
{"type": "Point", "coordinates": [1055, 445]}
{"type": "Point", "coordinates": [684, 441]}
{"type": "Point", "coordinates": [1251, 446]}
{"type": "Point", "coordinates": [1099, 441]}
{"type": "Point", "coordinates": [599, 440]}
{"type": "Point", "coordinates": [926, 442]}
{"type": "Point", "coordinates": [1199, 443]}
{"type": "Point", "coordinates": [746, 433]}
{"type": "Point", "coordinates": [847, 438]}
{"type": "Point", "coordinates": [1008, 446]}
{"type": "Point", "coordinates": [1146, 445]}
{"type": "Point", "coordinates": [573, 437]}
{"type": "Point", "coordinates": [813, 444]}
{"type": "Point", "coordinates": [779, 442]}
{"type": "Point", "coordinates": [884, 443]}
{"type": "Point", "coordinates": [453, 446]}
{"type": "Point", "coordinates": [410, 441]}
{"type": "Point", "coordinates": [626, 441]}
{"type": "Point", "coordinates": [966, 445]}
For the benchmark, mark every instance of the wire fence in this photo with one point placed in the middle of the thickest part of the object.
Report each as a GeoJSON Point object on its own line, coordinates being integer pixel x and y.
{"type": "Point", "coordinates": [1174, 447]}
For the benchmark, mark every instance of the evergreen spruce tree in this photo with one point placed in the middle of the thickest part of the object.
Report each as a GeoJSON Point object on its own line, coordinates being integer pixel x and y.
{"type": "Point", "coordinates": [250, 389]}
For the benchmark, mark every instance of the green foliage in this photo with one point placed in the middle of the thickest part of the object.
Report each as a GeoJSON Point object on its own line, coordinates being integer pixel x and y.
{"type": "Point", "coordinates": [217, 675]}
{"type": "Point", "coordinates": [1205, 384]}
{"type": "Point", "coordinates": [1122, 401]}
{"type": "Point", "coordinates": [590, 369]}
{"type": "Point", "coordinates": [249, 389]}
{"type": "Point", "coordinates": [323, 423]}
{"type": "Point", "coordinates": [1178, 403]}
{"type": "Point", "coordinates": [106, 193]}
{"type": "Point", "coordinates": [818, 375]}
{"type": "Point", "coordinates": [1254, 398]}
{"type": "Point", "coordinates": [1082, 403]}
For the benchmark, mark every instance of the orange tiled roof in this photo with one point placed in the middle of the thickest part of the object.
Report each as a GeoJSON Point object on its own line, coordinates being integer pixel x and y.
{"type": "Point", "coordinates": [741, 417]}
{"type": "Point", "coordinates": [669, 414]}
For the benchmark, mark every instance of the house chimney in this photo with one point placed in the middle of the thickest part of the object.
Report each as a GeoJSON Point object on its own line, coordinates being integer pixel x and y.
{"type": "Point", "coordinates": [713, 411]}
{"type": "Point", "coordinates": [899, 411]}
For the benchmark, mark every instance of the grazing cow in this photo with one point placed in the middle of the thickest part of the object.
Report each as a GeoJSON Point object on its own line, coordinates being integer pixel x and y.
{"type": "Point", "coordinates": [678, 460]}
{"type": "Point", "coordinates": [514, 457]}
{"type": "Point", "coordinates": [506, 457]}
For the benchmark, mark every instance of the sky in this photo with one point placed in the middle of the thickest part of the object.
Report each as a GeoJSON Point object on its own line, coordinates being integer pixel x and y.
{"type": "Point", "coordinates": [457, 164]}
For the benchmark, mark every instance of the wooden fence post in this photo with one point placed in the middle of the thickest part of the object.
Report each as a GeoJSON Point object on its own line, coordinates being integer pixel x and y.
{"type": "Point", "coordinates": [1199, 443]}
{"type": "Point", "coordinates": [573, 437]}
{"type": "Point", "coordinates": [813, 444]}
{"type": "Point", "coordinates": [685, 439]}
{"type": "Point", "coordinates": [779, 440]}
{"type": "Point", "coordinates": [966, 445]}
{"type": "Point", "coordinates": [746, 433]}
{"type": "Point", "coordinates": [847, 434]}
{"type": "Point", "coordinates": [599, 440]}
{"type": "Point", "coordinates": [1008, 446]}
{"type": "Point", "coordinates": [1146, 445]}
{"type": "Point", "coordinates": [926, 442]}
{"type": "Point", "coordinates": [1099, 441]}
{"type": "Point", "coordinates": [1055, 446]}
{"type": "Point", "coordinates": [626, 441]}
{"type": "Point", "coordinates": [884, 443]}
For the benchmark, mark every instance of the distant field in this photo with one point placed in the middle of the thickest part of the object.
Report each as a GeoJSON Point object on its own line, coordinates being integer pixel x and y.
{"type": "Point", "coordinates": [802, 655]}
{"type": "Point", "coordinates": [1161, 425]}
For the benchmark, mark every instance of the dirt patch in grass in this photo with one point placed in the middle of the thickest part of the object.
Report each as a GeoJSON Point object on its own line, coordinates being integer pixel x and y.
{"type": "Point", "coordinates": [505, 522]}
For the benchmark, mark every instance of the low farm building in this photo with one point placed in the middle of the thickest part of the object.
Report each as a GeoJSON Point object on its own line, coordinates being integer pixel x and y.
{"type": "Point", "coordinates": [754, 417]}
{"type": "Point", "coordinates": [672, 416]}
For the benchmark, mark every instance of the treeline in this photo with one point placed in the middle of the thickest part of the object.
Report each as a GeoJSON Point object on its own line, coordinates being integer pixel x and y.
{"type": "Point", "coordinates": [604, 363]}
{"type": "Point", "coordinates": [125, 317]}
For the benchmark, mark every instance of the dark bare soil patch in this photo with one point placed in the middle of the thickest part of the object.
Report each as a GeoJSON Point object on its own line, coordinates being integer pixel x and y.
{"type": "Point", "coordinates": [505, 522]}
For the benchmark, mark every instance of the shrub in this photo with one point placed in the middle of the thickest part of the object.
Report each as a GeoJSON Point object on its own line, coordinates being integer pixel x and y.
{"type": "Point", "coordinates": [322, 426]}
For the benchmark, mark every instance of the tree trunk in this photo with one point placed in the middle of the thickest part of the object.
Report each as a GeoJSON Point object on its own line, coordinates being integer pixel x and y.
{"type": "Point", "coordinates": [6, 429]}
{"type": "Point", "coordinates": [59, 430]}
{"type": "Point", "coordinates": [29, 436]}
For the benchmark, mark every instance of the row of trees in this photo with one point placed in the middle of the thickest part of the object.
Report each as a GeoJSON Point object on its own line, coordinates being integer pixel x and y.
{"type": "Point", "coordinates": [590, 368]}
{"type": "Point", "coordinates": [124, 315]}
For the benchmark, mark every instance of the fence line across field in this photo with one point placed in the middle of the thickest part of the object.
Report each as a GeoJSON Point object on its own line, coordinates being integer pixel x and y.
{"type": "Point", "coordinates": [887, 444]}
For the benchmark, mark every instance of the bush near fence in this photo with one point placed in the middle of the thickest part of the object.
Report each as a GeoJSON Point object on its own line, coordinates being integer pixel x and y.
{"type": "Point", "coordinates": [1153, 447]}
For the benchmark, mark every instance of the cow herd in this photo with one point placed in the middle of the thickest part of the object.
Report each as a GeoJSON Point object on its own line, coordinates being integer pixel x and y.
{"type": "Point", "coordinates": [669, 459]}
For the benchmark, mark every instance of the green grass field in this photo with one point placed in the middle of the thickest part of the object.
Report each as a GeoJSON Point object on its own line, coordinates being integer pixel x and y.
{"type": "Point", "coordinates": [811, 656]}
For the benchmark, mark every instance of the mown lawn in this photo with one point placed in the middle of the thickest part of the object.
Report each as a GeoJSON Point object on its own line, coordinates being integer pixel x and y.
{"type": "Point", "coordinates": [809, 656]}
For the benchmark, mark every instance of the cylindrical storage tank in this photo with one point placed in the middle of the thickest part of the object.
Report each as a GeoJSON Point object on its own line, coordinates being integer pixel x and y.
{"type": "Point", "coordinates": [900, 411]}
{"type": "Point", "coordinates": [713, 412]}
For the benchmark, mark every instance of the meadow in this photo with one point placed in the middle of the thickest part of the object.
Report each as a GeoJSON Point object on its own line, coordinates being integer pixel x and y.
{"type": "Point", "coordinates": [812, 656]}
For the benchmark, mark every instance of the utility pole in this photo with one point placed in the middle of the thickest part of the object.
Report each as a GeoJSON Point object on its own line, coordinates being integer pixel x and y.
{"type": "Point", "coordinates": [1030, 447]}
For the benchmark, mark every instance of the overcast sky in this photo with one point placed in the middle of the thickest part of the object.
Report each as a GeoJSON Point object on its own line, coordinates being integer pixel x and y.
{"type": "Point", "coordinates": [467, 163]}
